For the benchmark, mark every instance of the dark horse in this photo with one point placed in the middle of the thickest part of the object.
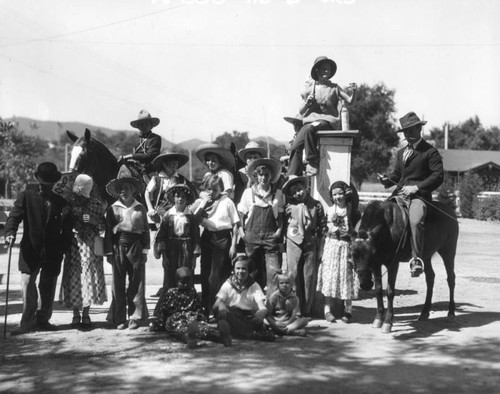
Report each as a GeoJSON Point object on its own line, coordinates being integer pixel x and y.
{"type": "Point", "coordinates": [90, 156]}
{"type": "Point", "coordinates": [383, 240]}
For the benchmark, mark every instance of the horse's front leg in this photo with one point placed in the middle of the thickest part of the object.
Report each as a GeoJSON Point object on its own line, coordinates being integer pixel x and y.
{"type": "Point", "coordinates": [429, 280]}
{"type": "Point", "coordinates": [392, 273]}
{"type": "Point", "coordinates": [377, 278]}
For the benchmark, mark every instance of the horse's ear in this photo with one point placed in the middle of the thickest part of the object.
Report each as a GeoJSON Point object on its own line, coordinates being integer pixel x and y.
{"type": "Point", "coordinates": [232, 148]}
{"type": "Point", "coordinates": [72, 136]}
{"type": "Point", "coordinates": [87, 135]}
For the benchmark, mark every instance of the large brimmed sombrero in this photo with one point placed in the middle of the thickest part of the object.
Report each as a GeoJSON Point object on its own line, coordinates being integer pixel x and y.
{"type": "Point", "coordinates": [189, 193]}
{"type": "Point", "coordinates": [319, 60]}
{"type": "Point", "coordinates": [292, 180]}
{"type": "Point", "coordinates": [252, 146]}
{"type": "Point", "coordinates": [180, 157]}
{"type": "Point", "coordinates": [227, 158]}
{"type": "Point", "coordinates": [124, 176]}
{"type": "Point", "coordinates": [294, 119]}
{"type": "Point", "coordinates": [46, 173]}
{"type": "Point", "coordinates": [144, 116]}
{"type": "Point", "coordinates": [273, 165]}
{"type": "Point", "coordinates": [409, 120]}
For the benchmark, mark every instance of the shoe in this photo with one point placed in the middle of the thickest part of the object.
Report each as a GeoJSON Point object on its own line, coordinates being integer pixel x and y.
{"type": "Point", "coordinates": [133, 325]}
{"type": "Point", "coordinates": [46, 326]}
{"type": "Point", "coordinates": [156, 326]}
{"type": "Point", "coordinates": [264, 336]}
{"type": "Point", "coordinates": [329, 317]}
{"type": "Point", "coordinates": [225, 333]}
{"type": "Point", "coordinates": [301, 332]}
{"type": "Point", "coordinates": [86, 323]}
{"type": "Point", "coordinates": [190, 337]}
{"type": "Point", "coordinates": [121, 326]}
{"type": "Point", "coordinates": [310, 170]}
{"type": "Point", "coordinates": [347, 318]}
{"type": "Point", "coordinates": [21, 331]}
{"type": "Point", "coordinates": [416, 267]}
{"type": "Point", "coordinates": [75, 323]}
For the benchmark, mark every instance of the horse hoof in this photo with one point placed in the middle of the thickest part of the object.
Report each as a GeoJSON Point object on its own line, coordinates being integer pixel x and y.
{"type": "Point", "coordinates": [377, 323]}
{"type": "Point", "coordinates": [451, 318]}
{"type": "Point", "coordinates": [423, 317]}
{"type": "Point", "coordinates": [386, 328]}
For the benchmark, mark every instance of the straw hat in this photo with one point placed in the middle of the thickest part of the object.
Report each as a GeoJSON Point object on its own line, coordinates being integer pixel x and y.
{"type": "Point", "coordinates": [319, 60]}
{"type": "Point", "coordinates": [292, 180]}
{"type": "Point", "coordinates": [145, 116]}
{"type": "Point", "coordinates": [252, 146]}
{"type": "Point", "coordinates": [227, 158]}
{"type": "Point", "coordinates": [46, 173]}
{"type": "Point", "coordinates": [83, 185]}
{"type": "Point", "coordinates": [174, 188]}
{"type": "Point", "coordinates": [124, 176]}
{"type": "Point", "coordinates": [409, 120]}
{"type": "Point", "coordinates": [180, 157]}
{"type": "Point", "coordinates": [273, 165]}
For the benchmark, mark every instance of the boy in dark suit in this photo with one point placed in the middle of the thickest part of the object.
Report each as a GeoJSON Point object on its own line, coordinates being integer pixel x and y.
{"type": "Point", "coordinates": [46, 237]}
{"type": "Point", "coordinates": [417, 173]}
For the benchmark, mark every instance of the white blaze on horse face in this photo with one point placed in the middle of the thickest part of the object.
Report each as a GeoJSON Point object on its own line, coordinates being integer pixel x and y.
{"type": "Point", "coordinates": [76, 152]}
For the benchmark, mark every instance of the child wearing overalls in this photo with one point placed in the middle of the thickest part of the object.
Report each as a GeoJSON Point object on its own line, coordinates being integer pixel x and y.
{"type": "Point", "coordinates": [261, 210]}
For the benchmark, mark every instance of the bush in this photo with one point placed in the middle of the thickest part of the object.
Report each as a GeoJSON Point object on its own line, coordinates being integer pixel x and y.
{"type": "Point", "coordinates": [487, 209]}
{"type": "Point", "coordinates": [470, 185]}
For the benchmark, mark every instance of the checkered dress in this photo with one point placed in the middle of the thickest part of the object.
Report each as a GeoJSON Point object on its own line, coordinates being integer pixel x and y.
{"type": "Point", "coordinates": [83, 276]}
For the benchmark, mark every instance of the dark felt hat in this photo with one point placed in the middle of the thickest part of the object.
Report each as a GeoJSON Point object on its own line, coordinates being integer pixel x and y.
{"type": "Point", "coordinates": [46, 173]}
{"type": "Point", "coordinates": [317, 62]}
{"type": "Point", "coordinates": [409, 120]}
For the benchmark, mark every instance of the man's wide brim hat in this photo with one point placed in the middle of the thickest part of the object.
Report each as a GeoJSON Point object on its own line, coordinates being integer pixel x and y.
{"type": "Point", "coordinates": [175, 188]}
{"type": "Point", "coordinates": [409, 120]}
{"type": "Point", "coordinates": [226, 157]}
{"type": "Point", "coordinates": [180, 157]}
{"type": "Point", "coordinates": [294, 119]}
{"type": "Point", "coordinates": [124, 176]}
{"type": "Point", "coordinates": [292, 180]}
{"type": "Point", "coordinates": [46, 173]}
{"type": "Point", "coordinates": [252, 146]}
{"type": "Point", "coordinates": [317, 62]}
{"type": "Point", "coordinates": [273, 165]}
{"type": "Point", "coordinates": [145, 116]}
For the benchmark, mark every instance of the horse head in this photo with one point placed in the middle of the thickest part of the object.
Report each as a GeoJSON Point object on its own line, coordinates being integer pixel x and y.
{"type": "Point", "coordinates": [363, 251]}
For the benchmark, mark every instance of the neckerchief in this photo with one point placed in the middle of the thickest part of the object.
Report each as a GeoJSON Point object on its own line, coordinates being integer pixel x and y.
{"type": "Point", "coordinates": [240, 288]}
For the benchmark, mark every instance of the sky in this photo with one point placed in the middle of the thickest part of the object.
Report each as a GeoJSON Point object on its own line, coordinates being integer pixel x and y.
{"type": "Point", "coordinates": [205, 67]}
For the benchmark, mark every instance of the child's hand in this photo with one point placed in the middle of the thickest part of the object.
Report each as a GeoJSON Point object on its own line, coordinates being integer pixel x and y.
{"type": "Point", "coordinates": [310, 100]}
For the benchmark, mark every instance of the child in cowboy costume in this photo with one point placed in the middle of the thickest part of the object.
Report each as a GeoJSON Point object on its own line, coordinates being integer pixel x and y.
{"type": "Point", "coordinates": [220, 162]}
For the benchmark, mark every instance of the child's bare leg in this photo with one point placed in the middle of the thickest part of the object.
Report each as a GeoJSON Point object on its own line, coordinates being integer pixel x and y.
{"type": "Point", "coordinates": [299, 323]}
{"type": "Point", "coordinates": [328, 312]}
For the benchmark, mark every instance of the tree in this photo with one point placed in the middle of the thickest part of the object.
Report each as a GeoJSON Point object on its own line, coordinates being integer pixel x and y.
{"type": "Point", "coordinates": [470, 134]}
{"type": "Point", "coordinates": [18, 154]}
{"type": "Point", "coordinates": [372, 114]}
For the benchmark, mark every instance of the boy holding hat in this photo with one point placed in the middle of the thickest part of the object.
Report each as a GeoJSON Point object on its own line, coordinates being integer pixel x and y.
{"type": "Point", "coordinates": [46, 236]}
{"type": "Point", "coordinates": [418, 171]}
{"type": "Point", "coordinates": [319, 111]}
{"type": "Point", "coordinates": [127, 235]}
{"type": "Point", "coordinates": [305, 223]}
{"type": "Point", "coordinates": [149, 143]}
{"type": "Point", "coordinates": [261, 210]}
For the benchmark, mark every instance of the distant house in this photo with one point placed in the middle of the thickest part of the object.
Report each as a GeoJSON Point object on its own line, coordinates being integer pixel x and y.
{"type": "Point", "coordinates": [485, 163]}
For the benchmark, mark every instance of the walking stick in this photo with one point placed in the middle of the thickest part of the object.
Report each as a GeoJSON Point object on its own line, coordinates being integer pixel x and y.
{"type": "Point", "coordinates": [7, 290]}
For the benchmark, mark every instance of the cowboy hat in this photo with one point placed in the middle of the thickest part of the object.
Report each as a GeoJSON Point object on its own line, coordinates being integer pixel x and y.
{"type": "Point", "coordinates": [226, 157]}
{"type": "Point", "coordinates": [174, 188]}
{"type": "Point", "coordinates": [145, 116]}
{"type": "Point", "coordinates": [409, 120]}
{"type": "Point", "coordinates": [292, 180]}
{"type": "Point", "coordinates": [252, 146]}
{"type": "Point", "coordinates": [319, 60]}
{"type": "Point", "coordinates": [46, 173]}
{"type": "Point", "coordinates": [294, 119]}
{"type": "Point", "coordinates": [180, 157]}
{"type": "Point", "coordinates": [273, 165]}
{"type": "Point", "coordinates": [124, 176]}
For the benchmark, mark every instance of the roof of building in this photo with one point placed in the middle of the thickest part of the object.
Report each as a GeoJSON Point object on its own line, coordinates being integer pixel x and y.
{"type": "Point", "coordinates": [460, 160]}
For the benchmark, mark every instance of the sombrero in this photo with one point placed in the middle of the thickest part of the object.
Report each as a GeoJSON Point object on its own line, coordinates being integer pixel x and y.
{"type": "Point", "coordinates": [124, 176]}
{"type": "Point", "coordinates": [272, 164]}
{"type": "Point", "coordinates": [319, 60]}
{"type": "Point", "coordinates": [143, 116]}
{"type": "Point", "coordinates": [227, 158]}
{"type": "Point", "coordinates": [180, 157]}
{"type": "Point", "coordinates": [189, 193]}
{"type": "Point", "coordinates": [293, 119]}
{"type": "Point", "coordinates": [292, 180]}
{"type": "Point", "coordinates": [252, 146]}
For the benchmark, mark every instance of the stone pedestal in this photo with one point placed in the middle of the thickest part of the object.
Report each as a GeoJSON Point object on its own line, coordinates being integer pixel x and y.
{"type": "Point", "coordinates": [335, 165]}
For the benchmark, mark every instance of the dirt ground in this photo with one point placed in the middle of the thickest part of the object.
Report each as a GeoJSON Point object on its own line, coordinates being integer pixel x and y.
{"type": "Point", "coordinates": [417, 357]}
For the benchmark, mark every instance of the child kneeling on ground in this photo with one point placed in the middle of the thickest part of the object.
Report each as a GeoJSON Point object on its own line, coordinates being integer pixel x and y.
{"type": "Point", "coordinates": [283, 307]}
{"type": "Point", "coordinates": [240, 303]}
{"type": "Point", "coordinates": [183, 316]}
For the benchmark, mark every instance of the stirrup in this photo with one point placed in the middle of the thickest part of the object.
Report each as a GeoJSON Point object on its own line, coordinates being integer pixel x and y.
{"type": "Point", "coordinates": [416, 267]}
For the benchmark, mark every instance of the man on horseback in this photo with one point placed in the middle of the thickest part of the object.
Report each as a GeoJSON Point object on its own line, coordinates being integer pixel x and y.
{"type": "Point", "coordinates": [418, 171]}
